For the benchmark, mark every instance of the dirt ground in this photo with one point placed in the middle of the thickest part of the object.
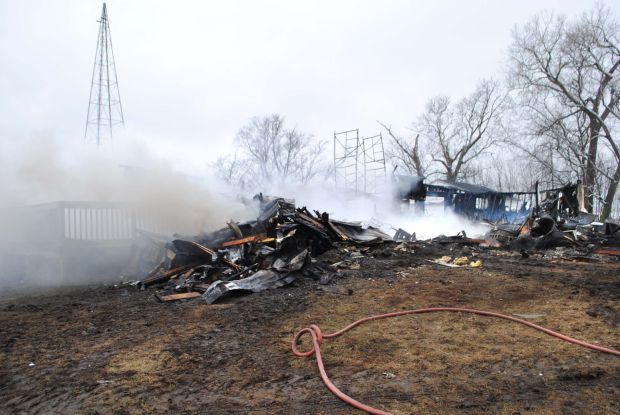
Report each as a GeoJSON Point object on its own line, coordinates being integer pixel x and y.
{"type": "Point", "coordinates": [100, 350]}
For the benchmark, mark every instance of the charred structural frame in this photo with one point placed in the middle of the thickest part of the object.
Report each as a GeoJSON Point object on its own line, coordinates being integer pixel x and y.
{"type": "Point", "coordinates": [482, 203]}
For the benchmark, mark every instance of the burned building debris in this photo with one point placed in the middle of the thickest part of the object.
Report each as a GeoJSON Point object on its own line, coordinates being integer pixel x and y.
{"type": "Point", "coordinates": [279, 246]}
{"type": "Point", "coordinates": [482, 203]}
{"type": "Point", "coordinates": [72, 239]}
{"type": "Point", "coordinates": [322, 265]}
{"type": "Point", "coordinates": [565, 204]}
{"type": "Point", "coordinates": [524, 221]}
{"type": "Point", "coordinates": [410, 188]}
{"type": "Point", "coordinates": [472, 201]}
{"type": "Point", "coordinates": [269, 252]}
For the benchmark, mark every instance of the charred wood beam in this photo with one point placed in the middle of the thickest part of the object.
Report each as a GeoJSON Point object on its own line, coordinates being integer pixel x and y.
{"type": "Point", "coordinates": [260, 238]}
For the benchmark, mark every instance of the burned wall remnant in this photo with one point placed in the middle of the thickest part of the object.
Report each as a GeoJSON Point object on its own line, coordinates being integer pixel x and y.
{"type": "Point", "coordinates": [469, 200]}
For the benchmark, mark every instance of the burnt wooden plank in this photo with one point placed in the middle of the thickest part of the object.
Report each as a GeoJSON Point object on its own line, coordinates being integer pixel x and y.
{"type": "Point", "coordinates": [175, 297]}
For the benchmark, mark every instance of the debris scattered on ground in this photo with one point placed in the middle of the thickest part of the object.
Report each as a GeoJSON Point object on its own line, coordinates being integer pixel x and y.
{"type": "Point", "coordinates": [459, 262]}
{"type": "Point", "coordinates": [402, 235]}
{"type": "Point", "coordinates": [280, 246]}
{"type": "Point", "coordinates": [144, 345]}
{"type": "Point", "coordinates": [270, 252]}
{"type": "Point", "coordinates": [173, 297]}
{"type": "Point", "coordinates": [558, 221]}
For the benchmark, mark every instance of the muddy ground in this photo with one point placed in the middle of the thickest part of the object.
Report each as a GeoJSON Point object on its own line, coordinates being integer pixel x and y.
{"type": "Point", "coordinates": [101, 350]}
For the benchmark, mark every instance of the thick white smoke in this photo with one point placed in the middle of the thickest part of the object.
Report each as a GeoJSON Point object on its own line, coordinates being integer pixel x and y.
{"type": "Point", "coordinates": [380, 210]}
{"type": "Point", "coordinates": [35, 249]}
{"type": "Point", "coordinates": [44, 169]}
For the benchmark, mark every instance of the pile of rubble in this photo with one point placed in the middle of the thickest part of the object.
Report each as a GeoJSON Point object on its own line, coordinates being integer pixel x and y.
{"type": "Point", "coordinates": [559, 221]}
{"type": "Point", "coordinates": [269, 252]}
{"type": "Point", "coordinates": [543, 233]}
{"type": "Point", "coordinates": [278, 247]}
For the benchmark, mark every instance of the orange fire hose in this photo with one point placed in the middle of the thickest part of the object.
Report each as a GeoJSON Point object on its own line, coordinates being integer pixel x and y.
{"type": "Point", "coordinates": [318, 336]}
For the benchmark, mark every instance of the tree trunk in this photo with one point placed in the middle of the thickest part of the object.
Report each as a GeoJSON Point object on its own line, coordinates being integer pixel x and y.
{"type": "Point", "coordinates": [611, 194]}
{"type": "Point", "coordinates": [590, 174]}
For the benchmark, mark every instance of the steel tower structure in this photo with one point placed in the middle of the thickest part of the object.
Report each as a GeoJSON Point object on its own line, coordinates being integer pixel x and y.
{"type": "Point", "coordinates": [359, 162]}
{"type": "Point", "coordinates": [374, 164]}
{"type": "Point", "coordinates": [346, 154]}
{"type": "Point", "coordinates": [104, 101]}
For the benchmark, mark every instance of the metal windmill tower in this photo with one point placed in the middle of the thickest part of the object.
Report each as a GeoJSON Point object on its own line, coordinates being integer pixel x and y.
{"type": "Point", "coordinates": [104, 101]}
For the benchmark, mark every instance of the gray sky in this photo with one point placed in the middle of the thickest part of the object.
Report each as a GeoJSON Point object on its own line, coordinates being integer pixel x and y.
{"type": "Point", "coordinates": [192, 72]}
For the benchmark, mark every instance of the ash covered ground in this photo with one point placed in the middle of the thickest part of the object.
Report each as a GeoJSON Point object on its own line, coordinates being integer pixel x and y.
{"type": "Point", "coordinates": [103, 349]}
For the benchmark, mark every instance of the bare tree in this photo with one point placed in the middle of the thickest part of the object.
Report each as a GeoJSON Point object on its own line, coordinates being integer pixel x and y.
{"type": "Point", "coordinates": [270, 153]}
{"type": "Point", "coordinates": [407, 153]}
{"type": "Point", "coordinates": [230, 169]}
{"type": "Point", "coordinates": [461, 133]}
{"type": "Point", "coordinates": [554, 145]}
{"type": "Point", "coordinates": [505, 173]}
{"type": "Point", "coordinates": [567, 72]}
